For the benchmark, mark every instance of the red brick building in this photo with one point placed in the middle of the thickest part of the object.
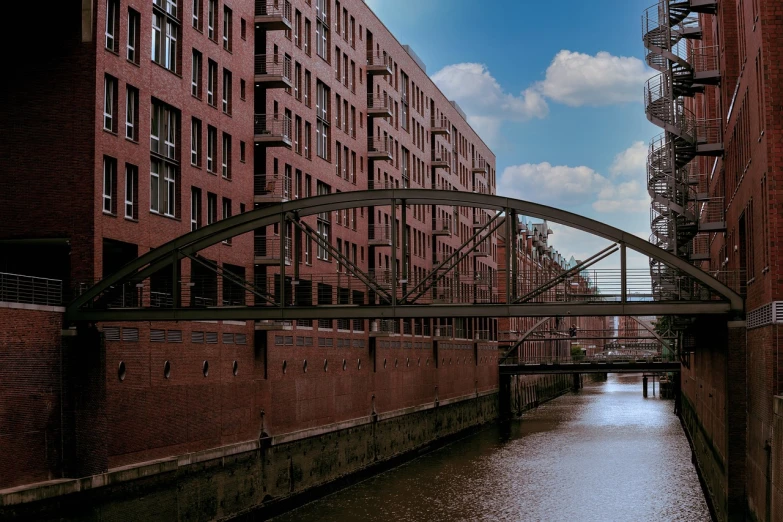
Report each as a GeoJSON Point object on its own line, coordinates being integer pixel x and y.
{"type": "Point", "coordinates": [720, 207]}
{"type": "Point", "coordinates": [244, 103]}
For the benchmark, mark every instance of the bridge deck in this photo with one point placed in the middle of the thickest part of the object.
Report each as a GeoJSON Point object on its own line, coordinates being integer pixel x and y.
{"type": "Point", "coordinates": [589, 367]}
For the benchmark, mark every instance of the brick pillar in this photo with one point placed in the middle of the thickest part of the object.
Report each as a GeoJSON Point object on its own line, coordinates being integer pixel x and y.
{"type": "Point", "coordinates": [84, 384]}
{"type": "Point", "coordinates": [736, 419]}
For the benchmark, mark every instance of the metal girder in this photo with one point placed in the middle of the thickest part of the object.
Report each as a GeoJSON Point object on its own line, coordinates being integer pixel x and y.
{"type": "Point", "coordinates": [629, 367]}
{"type": "Point", "coordinates": [227, 274]}
{"type": "Point", "coordinates": [202, 238]}
{"type": "Point", "coordinates": [401, 311]}
{"type": "Point", "coordinates": [524, 336]}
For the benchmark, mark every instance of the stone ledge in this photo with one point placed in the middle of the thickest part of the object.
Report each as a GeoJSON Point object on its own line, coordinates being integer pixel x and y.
{"type": "Point", "coordinates": [43, 490]}
{"type": "Point", "coordinates": [38, 308]}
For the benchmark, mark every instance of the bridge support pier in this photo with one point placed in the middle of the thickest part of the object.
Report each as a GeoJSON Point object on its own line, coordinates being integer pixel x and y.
{"type": "Point", "coordinates": [736, 419]}
{"type": "Point", "coordinates": [577, 385]}
{"type": "Point", "coordinates": [85, 429]}
{"type": "Point", "coordinates": [644, 386]}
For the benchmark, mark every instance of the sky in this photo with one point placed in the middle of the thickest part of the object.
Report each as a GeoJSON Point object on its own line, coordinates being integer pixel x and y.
{"type": "Point", "coordinates": [556, 94]}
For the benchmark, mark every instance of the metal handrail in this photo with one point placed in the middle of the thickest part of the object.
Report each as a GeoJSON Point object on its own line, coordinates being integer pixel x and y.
{"type": "Point", "coordinates": [376, 144]}
{"type": "Point", "coordinates": [381, 101]}
{"type": "Point", "coordinates": [274, 186]}
{"type": "Point", "coordinates": [273, 65]}
{"type": "Point", "coordinates": [272, 125]}
{"type": "Point", "coordinates": [19, 288]}
{"type": "Point", "coordinates": [273, 8]}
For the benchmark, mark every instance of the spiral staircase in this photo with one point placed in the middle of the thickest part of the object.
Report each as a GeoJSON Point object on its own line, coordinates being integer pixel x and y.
{"type": "Point", "coordinates": [680, 212]}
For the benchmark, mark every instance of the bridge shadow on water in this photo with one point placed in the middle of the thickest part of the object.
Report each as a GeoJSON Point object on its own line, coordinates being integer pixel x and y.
{"type": "Point", "coordinates": [605, 453]}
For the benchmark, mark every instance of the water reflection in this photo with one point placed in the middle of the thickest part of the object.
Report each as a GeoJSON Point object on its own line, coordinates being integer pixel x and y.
{"type": "Point", "coordinates": [604, 454]}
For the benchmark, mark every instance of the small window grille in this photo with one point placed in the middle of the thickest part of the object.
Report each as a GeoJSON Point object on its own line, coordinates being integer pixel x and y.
{"type": "Point", "coordinates": [174, 336]}
{"type": "Point", "coordinates": [111, 333]}
{"type": "Point", "coordinates": [158, 336]}
{"type": "Point", "coordinates": [228, 338]}
{"type": "Point", "coordinates": [130, 334]}
{"type": "Point", "coordinates": [197, 337]}
{"type": "Point", "coordinates": [240, 338]}
{"type": "Point", "coordinates": [211, 337]}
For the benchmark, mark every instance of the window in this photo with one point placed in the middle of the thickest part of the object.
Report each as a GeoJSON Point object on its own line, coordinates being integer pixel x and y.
{"type": "Point", "coordinates": [226, 215]}
{"type": "Point", "coordinates": [112, 24]}
{"type": "Point", "coordinates": [242, 151]}
{"type": "Point", "coordinates": [195, 77]}
{"type": "Point", "coordinates": [241, 89]}
{"type": "Point", "coordinates": [226, 163]}
{"type": "Point", "coordinates": [165, 32]}
{"type": "Point", "coordinates": [109, 103]}
{"type": "Point", "coordinates": [322, 40]}
{"type": "Point", "coordinates": [307, 133]}
{"type": "Point", "coordinates": [211, 18]}
{"type": "Point", "coordinates": [324, 223]}
{"type": "Point", "coordinates": [243, 29]}
{"type": "Point", "coordinates": [227, 29]}
{"type": "Point", "coordinates": [307, 37]}
{"type": "Point", "coordinates": [131, 113]}
{"type": "Point", "coordinates": [297, 28]}
{"type": "Point", "coordinates": [195, 208]}
{"type": "Point", "coordinates": [226, 91]}
{"type": "Point", "coordinates": [298, 135]}
{"type": "Point", "coordinates": [197, 15]}
{"type": "Point", "coordinates": [195, 142]}
{"type": "Point", "coordinates": [164, 165]}
{"type": "Point", "coordinates": [211, 208]}
{"type": "Point", "coordinates": [211, 148]}
{"type": "Point", "coordinates": [298, 81]}
{"type": "Point", "coordinates": [322, 125]}
{"type": "Point", "coordinates": [211, 82]}
{"type": "Point", "coordinates": [134, 31]}
{"type": "Point", "coordinates": [404, 101]}
{"type": "Point", "coordinates": [131, 191]}
{"type": "Point", "coordinates": [109, 185]}
{"type": "Point", "coordinates": [307, 88]}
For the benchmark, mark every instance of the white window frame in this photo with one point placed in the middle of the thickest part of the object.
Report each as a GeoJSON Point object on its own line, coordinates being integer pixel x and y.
{"type": "Point", "coordinates": [195, 139]}
{"type": "Point", "coordinates": [131, 191]}
{"type": "Point", "coordinates": [155, 166]}
{"type": "Point", "coordinates": [132, 37]}
{"type": "Point", "coordinates": [170, 188]}
{"type": "Point", "coordinates": [211, 208]}
{"type": "Point", "coordinates": [225, 156]}
{"type": "Point", "coordinates": [196, 13]}
{"type": "Point", "coordinates": [195, 77]}
{"type": "Point", "coordinates": [111, 27]}
{"type": "Point", "coordinates": [227, 28]}
{"type": "Point", "coordinates": [211, 18]}
{"type": "Point", "coordinates": [108, 103]}
{"type": "Point", "coordinates": [211, 82]}
{"type": "Point", "coordinates": [195, 208]}
{"type": "Point", "coordinates": [227, 80]}
{"type": "Point", "coordinates": [211, 148]}
{"type": "Point", "coordinates": [109, 180]}
{"type": "Point", "coordinates": [131, 102]}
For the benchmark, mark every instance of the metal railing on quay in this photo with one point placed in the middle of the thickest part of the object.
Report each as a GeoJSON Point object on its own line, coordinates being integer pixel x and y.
{"type": "Point", "coordinates": [641, 357]}
{"type": "Point", "coordinates": [24, 289]}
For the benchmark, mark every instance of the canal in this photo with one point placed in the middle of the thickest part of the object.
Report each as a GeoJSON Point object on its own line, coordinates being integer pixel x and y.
{"type": "Point", "coordinates": [603, 454]}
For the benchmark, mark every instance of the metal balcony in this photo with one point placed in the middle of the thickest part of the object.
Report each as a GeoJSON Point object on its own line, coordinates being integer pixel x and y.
{"type": "Point", "coordinates": [700, 248]}
{"type": "Point", "coordinates": [480, 166]}
{"type": "Point", "coordinates": [273, 15]}
{"type": "Point", "coordinates": [379, 106]}
{"type": "Point", "coordinates": [480, 250]}
{"type": "Point", "coordinates": [379, 235]}
{"type": "Point", "coordinates": [267, 250]}
{"type": "Point", "coordinates": [712, 214]}
{"type": "Point", "coordinates": [376, 184]}
{"type": "Point", "coordinates": [441, 227]}
{"type": "Point", "coordinates": [440, 126]}
{"type": "Point", "coordinates": [272, 131]}
{"type": "Point", "coordinates": [273, 71]}
{"type": "Point", "coordinates": [383, 327]}
{"type": "Point", "coordinates": [443, 332]}
{"type": "Point", "coordinates": [440, 161]}
{"type": "Point", "coordinates": [378, 63]}
{"type": "Point", "coordinates": [271, 189]}
{"type": "Point", "coordinates": [379, 149]}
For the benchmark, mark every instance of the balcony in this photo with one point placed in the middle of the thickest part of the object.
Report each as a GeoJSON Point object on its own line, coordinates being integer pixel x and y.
{"type": "Point", "coordinates": [273, 15]}
{"type": "Point", "coordinates": [382, 278]}
{"type": "Point", "coordinates": [481, 250]}
{"type": "Point", "coordinates": [379, 235]}
{"type": "Point", "coordinates": [440, 126]}
{"type": "Point", "coordinates": [379, 149]}
{"type": "Point", "coordinates": [273, 71]}
{"type": "Point", "coordinates": [700, 248]}
{"type": "Point", "coordinates": [480, 166]}
{"type": "Point", "coordinates": [440, 160]}
{"type": "Point", "coordinates": [17, 288]}
{"type": "Point", "coordinates": [441, 227]}
{"type": "Point", "coordinates": [384, 327]}
{"type": "Point", "coordinates": [271, 189]}
{"type": "Point", "coordinates": [267, 250]}
{"type": "Point", "coordinates": [712, 215]}
{"type": "Point", "coordinates": [376, 184]}
{"type": "Point", "coordinates": [378, 63]}
{"type": "Point", "coordinates": [272, 131]}
{"type": "Point", "coordinates": [379, 106]}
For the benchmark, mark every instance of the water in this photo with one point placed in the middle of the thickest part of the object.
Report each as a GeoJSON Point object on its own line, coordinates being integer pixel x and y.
{"type": "Point", "coordinates": [603, 454]}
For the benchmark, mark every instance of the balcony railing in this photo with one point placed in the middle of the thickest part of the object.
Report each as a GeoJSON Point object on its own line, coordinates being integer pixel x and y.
{"type": "Point", "coordinates": [267, 250]}
{"type": "Point", "coordinates": [272, 130]}
{"type": "Point", "coordinates": [376, 184]}
{"type": "Point", "coordinates": [273, 14]}
{"type": "Point", "coordinates": [379, 105]}
{"type": "Point", "coordinates": [378, 62]}
{"type": "Point", "coordinates": [379, 235]}
{"type": "Point", "coordinates": [379, 148]}
{"type": "Point", "coordinates": [17, 288]}
{"type": "Point", "coordinates": [443, 331]}
{"type": "Point", "coordinates": [712, 214]}
{"type": "Point", "coordinates": [480, 166]}
{"type": "Point", "coordinates": [439, 125]}
{"type": "Point", "coordinates": [271, 189]}
{"type": "Point", "coordinates": [273, 70]}
{"type": "Point", "coordinates": [441, 227]}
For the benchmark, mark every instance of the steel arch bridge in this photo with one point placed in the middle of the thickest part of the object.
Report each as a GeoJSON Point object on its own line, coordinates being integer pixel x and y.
{"type": "Point", "coordinates": [127, 295]}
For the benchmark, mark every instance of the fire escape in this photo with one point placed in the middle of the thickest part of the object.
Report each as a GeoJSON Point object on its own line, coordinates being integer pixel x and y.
{"type": "Point", "coordinates": [683, 214]}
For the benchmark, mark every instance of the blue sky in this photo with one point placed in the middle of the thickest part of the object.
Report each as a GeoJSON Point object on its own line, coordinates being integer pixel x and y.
{"type": "Point", "coordinates": [555, 92]}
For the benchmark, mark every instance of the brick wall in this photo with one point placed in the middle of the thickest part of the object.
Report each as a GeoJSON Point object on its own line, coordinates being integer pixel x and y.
{"type": "Point", "coordinates": [30, 396]}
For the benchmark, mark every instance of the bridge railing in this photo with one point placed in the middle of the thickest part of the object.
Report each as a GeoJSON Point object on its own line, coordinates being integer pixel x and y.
{"type": "Point", "coordinates": [600, 358]}
{"type": "Point", "coordinates": [18, 288]}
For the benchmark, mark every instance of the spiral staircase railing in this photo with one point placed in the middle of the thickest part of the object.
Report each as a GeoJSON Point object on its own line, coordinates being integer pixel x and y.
{"type": "Point", "coordinates": [671, 33]}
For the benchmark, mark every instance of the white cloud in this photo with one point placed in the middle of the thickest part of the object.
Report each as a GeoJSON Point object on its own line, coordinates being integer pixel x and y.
{"type": "Point", "coordinates": [577, 79]}
{"type": "Point", "coordinates": [630, 162]}
{"type": "Point", "coordinates": [484, 100]}
{"type": "Point", "coordinates": [567, 187]}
